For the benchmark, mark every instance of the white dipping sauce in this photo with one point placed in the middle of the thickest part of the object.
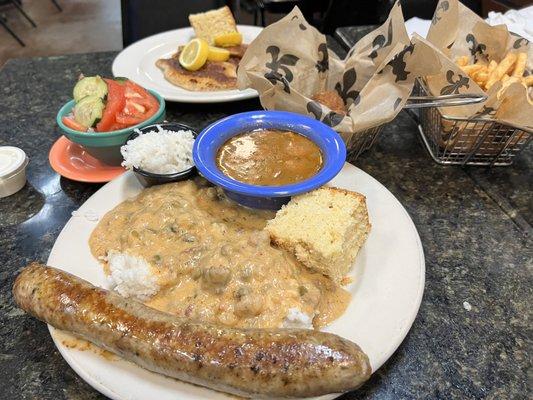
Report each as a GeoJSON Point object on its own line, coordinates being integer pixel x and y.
{"type": "Point", "coordinates": [13, 162]}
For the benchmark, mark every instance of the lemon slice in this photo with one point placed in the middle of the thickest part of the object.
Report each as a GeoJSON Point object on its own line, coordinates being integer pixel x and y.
{"type": "Point", "coordinates": [217, 54]}
{"type": "Point", "coordinates": [194, 55]}
{"type": "Point", "coordinates": [228, 39]}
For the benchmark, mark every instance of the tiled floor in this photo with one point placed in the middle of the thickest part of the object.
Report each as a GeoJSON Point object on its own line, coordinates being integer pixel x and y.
{"type": "Point", "coordinates": [83, 26]}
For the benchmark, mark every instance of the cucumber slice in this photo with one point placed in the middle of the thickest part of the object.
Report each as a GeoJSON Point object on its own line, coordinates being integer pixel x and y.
{"type": "Point", "coordinates": [89, 110]}
{"type": "Point", "coordinates": [90, 86]}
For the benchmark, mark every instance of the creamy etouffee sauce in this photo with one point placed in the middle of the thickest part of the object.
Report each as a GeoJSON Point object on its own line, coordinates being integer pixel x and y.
{"type": "Point", "coordinates": [213, 261]}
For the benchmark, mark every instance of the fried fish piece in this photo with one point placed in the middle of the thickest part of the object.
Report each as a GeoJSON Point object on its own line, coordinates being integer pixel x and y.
{"type": "Point", "coordinates": [237, 51]}
{"type": "Point", "coordinates": [214, 75]}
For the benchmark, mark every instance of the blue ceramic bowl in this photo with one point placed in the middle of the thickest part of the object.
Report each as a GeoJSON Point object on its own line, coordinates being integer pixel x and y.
{"type": "Point", "coordinates": [267, 197]}
{"type": "Point", "coordinates": [105, 146]}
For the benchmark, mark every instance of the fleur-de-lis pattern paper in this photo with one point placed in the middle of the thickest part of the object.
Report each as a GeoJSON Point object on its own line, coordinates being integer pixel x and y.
{"type": "Point", "coordinates": [278, 68]}
{"type": "Point", "coordinates": [289, 62]}
{"type": "Point", "coordinates": [457, 31]}
{"type": "Point", "coordinates": [455, 83]}
{"type": "Point", "coordinates": [381, 41]}
{"type": "Point", "coordinates": [442, 6]}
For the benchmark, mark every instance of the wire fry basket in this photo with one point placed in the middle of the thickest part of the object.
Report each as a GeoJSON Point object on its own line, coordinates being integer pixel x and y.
{"type": "Point", "coordinates": [468, 141]}
{"type": "Point", "coordinates": [362, 141]}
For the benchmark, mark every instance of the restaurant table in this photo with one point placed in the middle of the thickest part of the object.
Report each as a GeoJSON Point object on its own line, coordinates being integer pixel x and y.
{"type": "Point", "coordinates": [471, 336]}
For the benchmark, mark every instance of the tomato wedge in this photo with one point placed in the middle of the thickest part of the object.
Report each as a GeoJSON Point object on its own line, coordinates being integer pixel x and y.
{"type": "Point", "coordinates": [72, 124]}
{"type": "Point", "coordinates": [127, 104]}
{"type": "Point", "coordinates": [142, 97]}
{"type": "Point", "coordinates": [129, 119]}
{"type": "Point", "coordinates": [115, 103]}
{"type": "Point", "coordinates": [133, 108]}
{"type": "Point", "coordinates": [116, 126]}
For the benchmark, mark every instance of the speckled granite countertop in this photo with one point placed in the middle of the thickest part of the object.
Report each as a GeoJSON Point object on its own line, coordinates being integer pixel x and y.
{"type": "Point", "coordinates": [472, 335]}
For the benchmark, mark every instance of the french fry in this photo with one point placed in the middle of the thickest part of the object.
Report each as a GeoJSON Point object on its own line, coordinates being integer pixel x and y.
{"type": "Point", "coordinates": [508, 71]}
{"type": "Point", "coordinates": [501, 69]}
{"type": "Point", "coordinates": [492, 66]}
{"type": "Point", "coordinates": [490, 82]}
{"type": "Point", "coordinates": [481, 74]}
{"type": "Point", "coordinates": [481, 78]}
{"type": "Point", "coordinates": [520, 65]}
{"type": "Point", "coordinates": [471, 69]}
{"type": "Point", "coordinates": [462, 61]}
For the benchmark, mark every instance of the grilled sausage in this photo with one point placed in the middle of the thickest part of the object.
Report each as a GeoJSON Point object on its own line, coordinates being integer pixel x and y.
{"type": "Point", "coordinates": [247, 362]}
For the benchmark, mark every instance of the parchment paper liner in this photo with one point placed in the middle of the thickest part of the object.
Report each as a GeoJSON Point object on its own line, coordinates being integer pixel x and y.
{"type": "Point", "coordinates": [457, 31]}
{"type": "Point", "coordinates": [289, 62]}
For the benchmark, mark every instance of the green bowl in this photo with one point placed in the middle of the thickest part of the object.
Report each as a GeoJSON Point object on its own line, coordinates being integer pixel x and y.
{"type": "Point", "coordinates": [105, 146]}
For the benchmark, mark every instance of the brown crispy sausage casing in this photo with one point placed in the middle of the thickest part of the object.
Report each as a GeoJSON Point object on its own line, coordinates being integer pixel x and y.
{"type": "Point", "coordinates": [247, 362]}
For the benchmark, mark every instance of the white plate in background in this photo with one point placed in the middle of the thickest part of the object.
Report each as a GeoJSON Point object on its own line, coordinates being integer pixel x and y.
{"type": "Point", "coordinates": [137, 62]}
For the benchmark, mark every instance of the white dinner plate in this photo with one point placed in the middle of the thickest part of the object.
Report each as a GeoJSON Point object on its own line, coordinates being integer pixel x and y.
{"type": "Point", "coordinates": [137, 62]}
{"type": "Point", "coordinates": [388, 282]}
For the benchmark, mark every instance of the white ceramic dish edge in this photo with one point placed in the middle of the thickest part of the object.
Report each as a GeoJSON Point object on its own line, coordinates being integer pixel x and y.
{"type": "Point", "coordinates": [137, 62]}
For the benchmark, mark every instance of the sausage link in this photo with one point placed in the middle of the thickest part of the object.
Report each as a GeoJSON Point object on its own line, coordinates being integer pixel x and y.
{"type": "Point", "coordinates": [247, 362]}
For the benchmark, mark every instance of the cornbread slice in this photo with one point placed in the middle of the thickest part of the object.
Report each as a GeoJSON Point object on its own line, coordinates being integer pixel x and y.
{"type": "Point", "coordinates": [324, 229]}
{"type": "Point", "coordinates": [209, 24]}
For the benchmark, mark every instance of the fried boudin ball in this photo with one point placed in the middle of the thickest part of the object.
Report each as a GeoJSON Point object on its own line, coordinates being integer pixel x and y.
{"type": "Point", "coordinates": [332, 100]}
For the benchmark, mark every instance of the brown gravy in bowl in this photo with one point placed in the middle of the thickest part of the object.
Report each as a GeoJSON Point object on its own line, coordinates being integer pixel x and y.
{"type": "Point", "coordinates": [269, 157]}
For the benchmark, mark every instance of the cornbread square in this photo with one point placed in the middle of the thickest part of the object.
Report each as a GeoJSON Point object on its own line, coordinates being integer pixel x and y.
{"type": "Point", "coordinates": [324, 229]}
{"type": "Point", "coordinates": [209, 24]}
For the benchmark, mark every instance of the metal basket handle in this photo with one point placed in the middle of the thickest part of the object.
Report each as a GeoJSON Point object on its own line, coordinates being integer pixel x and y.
{"type": "Point", "coordinates": [447, 100]}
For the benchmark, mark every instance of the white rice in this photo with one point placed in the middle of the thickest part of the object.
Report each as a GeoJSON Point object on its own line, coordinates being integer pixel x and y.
{"type": "Point", "coordinates": [297, 319]}
{"type": "Point", "coordinates": [131, 276]}
{"type": "Point", "coordinates": [159, 152]}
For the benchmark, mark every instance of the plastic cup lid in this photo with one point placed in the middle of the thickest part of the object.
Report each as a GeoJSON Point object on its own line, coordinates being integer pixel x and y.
{"type": "Point", "coordinates": [12, 160]}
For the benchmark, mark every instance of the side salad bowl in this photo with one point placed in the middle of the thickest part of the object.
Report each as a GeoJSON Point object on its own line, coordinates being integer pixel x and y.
{"type": "Point", "coordinates": [105, 146]}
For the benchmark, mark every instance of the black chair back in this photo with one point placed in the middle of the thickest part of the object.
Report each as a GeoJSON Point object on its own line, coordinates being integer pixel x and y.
{"type": "Point", "coordinates": [425, 8]}
{"type": "Point", "coordinates": [142, 18]}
